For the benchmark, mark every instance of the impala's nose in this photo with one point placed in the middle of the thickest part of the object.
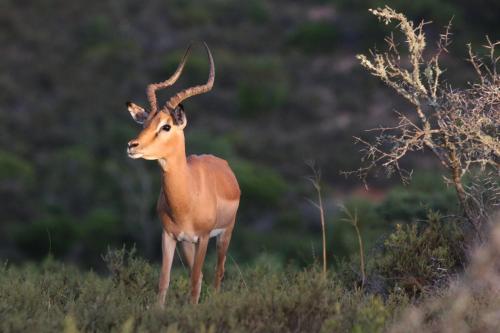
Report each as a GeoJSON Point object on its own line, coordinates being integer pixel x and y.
{"type": "Point", "coordinates": [131, 149]}
{"type": "Point", "coordinates": [132, 144]}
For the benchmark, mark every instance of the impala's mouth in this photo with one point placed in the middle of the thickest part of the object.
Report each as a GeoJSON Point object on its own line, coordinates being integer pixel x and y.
{"type": "Point", "coordinates": [133, 154]}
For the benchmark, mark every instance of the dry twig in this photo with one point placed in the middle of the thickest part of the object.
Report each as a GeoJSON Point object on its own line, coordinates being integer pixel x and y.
{"type": "Point", "coordinates": [460, 126]}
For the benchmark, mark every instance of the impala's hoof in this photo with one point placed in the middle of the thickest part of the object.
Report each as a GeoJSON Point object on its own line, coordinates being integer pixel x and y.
{"type": "Point", "coordinates": [160, 305]}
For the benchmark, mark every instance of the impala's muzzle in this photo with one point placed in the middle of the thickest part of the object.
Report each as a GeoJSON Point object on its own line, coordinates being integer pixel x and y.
{"type": "Point", "coordinates": [132, 149]}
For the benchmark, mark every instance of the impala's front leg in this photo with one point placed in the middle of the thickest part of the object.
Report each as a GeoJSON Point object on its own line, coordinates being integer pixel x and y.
{"type": "Point", "coordinates": [196, 274]}
{"type": "Point", "coordinates": [168, 250]}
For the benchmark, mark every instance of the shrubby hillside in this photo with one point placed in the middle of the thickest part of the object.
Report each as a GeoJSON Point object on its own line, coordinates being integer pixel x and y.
{"type": "Point", "coordinates": [288, 89]}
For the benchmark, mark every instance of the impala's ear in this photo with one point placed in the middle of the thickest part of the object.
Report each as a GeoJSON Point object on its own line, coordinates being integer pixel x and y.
{"type": "Point", "coordinates": [179, 116]}
{"type": "Point", "coordinates": [137, 112]}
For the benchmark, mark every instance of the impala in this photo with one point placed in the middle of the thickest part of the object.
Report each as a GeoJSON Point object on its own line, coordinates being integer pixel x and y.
{"type": "Point", "coordinates": [199, 195]}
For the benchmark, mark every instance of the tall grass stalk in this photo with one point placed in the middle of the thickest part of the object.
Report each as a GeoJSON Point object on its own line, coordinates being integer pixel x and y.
{"type": "Point", "coordinates": [239, 271]}
{"type": "Point", "coordinates": [315, 180]}
{"type": "Point", "coordinates": [353, 220]}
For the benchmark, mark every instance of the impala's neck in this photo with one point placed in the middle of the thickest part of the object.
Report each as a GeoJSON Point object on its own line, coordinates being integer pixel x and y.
{"type": "Point", "coordinates": [176, 180]}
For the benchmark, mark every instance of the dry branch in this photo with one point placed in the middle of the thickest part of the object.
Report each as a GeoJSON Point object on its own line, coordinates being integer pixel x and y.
{"type": "Point", "coordinates": [460, 126]}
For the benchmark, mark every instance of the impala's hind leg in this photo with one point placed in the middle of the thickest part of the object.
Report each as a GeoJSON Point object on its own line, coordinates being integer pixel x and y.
{"type": "Point", "coordinates": [196, 274]}
{"type": "Point", "coordinates": [188, 250]}
{"type": "Point", "coordinates": [222, 245]}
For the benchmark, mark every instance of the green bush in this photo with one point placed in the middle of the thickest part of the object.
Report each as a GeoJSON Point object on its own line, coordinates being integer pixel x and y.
{"type": "Point", "coordinates": [260, 186]}
{"type": "Point", "coordinates": [98, 230]}
{"type": "Point", "coordinates": [50, 235]}
{"type": "Point", "coordinates": [53, 297]}
{"type": "Point", "coordinates": [363, 314]}
{"type": "Point", "coordinates": [469, 304]}
{"type": "Point", "coordinates": [299, 250]}
{"type": "Point", "coordinates": [314, 37]}
{"type": "Point", "coordinates": [190, 13]}
{"type": "Point", "coordinates": [419, 257]}
{"type": "Point", "coordinates": [263, 86]}
{"type": "Point", "coordinates": [258, 11]}
{"type": "Point", "coordinates": [407, 205]}
{"type": "Point", "coordinates": [14, 169]}
{"type": "Point", "coordinates": [200, 142]}
{"type": "Point", "coordinates": [129, 270]}
{"type": "Point", "coordinates": [70, 163]}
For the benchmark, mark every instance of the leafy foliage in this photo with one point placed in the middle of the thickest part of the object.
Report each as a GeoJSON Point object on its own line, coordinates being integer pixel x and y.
{"type": "Point", "coordinates": [420, 257]}
{"type": "Point", "coordinates": [259, 184]}
{"type": "Point", "coordinates": [263, 86]}
{"type": "Point", "coordinates": [314, 37]}
{"type": "Point", "coordinates": [469, 304]}
{"type": "Point", "coordinates": [54, 297]}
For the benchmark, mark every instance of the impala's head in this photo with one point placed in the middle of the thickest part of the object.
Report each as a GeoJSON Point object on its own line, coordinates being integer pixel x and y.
{"type": "Point", "coordinates": [163, 130]}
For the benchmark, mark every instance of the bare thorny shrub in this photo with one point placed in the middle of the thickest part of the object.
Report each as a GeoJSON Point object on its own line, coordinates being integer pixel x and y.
{"type": "Point", "coordinates": [460, 127]}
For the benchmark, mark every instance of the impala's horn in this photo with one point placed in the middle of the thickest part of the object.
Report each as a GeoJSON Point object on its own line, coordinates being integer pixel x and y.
{"type": "Point", "coordinates": [175, 100]}
{"type": "Point", "coordinates": [153, 87]}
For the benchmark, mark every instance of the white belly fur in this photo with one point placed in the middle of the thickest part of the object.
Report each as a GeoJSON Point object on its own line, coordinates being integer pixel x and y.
{"type": "Point", "coordinates": [216, 232]}
{"type": "Point", "coordinates": [185, 237]}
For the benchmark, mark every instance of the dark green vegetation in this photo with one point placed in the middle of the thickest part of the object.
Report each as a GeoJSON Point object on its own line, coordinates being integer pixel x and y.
{"type": "Point", "coordinates": [298, 244]}
{"type": "Point", "coordinates": [288, 89]}
{"type": "Point", "coordinates": [405, 291]}
{"type": "Point", "coordinates": [263, 297]}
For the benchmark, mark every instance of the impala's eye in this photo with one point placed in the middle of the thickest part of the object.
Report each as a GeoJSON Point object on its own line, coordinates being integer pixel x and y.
{"type": "Point", "coordinates": [166, 127]}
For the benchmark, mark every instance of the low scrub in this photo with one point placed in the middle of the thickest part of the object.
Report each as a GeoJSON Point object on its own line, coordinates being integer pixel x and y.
{"type": "Point", "coordinates": [426, 289]}
{"type": "Point", "coordinates": [421, 256]}
{"type": "Point", "coordinates": [470, 304]}
{"type": "Point", "coordinates": [53, 297]}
